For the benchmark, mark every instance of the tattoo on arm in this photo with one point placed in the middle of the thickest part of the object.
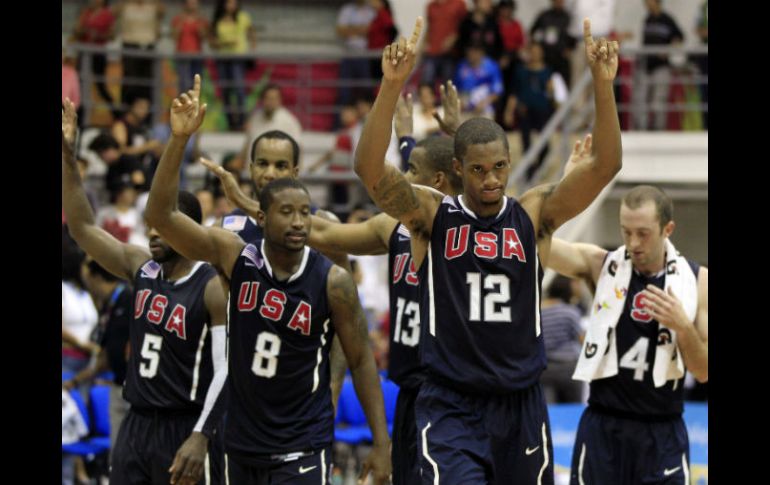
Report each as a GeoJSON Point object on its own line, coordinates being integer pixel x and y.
{"type": "Point", "coordinates": [394, 194]}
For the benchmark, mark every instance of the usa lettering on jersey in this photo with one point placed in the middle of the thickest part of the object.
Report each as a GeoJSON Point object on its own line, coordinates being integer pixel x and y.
{"type": "Point", "coordinates": [176, 322]}
{"type": "Point", "coordinates": [486, 245]}
{"type": "Point", "coordinates": [273, 306]}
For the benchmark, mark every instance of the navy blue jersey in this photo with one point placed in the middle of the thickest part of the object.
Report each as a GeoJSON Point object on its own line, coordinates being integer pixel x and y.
{"type": "Point", "coordinates": [481, 305]}
{"type": "Point", "coordinates": [403, 360]}
{"type": "Point", "coordinates": [246, 226]}
{"type": "Point", "coordinates": [632, 390]}
{"type": "Point", "coordinates": [280, 336]}
{"type": "Point", "coordinates": [170, 363]}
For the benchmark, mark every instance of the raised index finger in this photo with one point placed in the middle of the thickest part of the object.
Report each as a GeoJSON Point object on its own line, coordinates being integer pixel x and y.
{"type": "Point", "coordinates": [197, 86]}
{"type": "Point", "coordinates": [587, 31]}
{"type": "Point", "coordinates": [416, 33]}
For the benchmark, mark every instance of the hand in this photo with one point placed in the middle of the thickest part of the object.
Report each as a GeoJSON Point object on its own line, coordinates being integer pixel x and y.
{"type": "Point", "coordinates": [403, 121]}
{"type": "Point", "coordinates": [398, 59]}
{"type": "Point", "coordinates": [186, 112]}
{"type": "Point", "coordinates": [450, 101]}
{"type": "Point", "coordinates": [228, 180]}
{"type": "Point", "coordinates": [666, 308]}
{"type": "Point", "coordinates": [602, 55]}
{"type": "Point", "coordinates": [581, 153]}
{"type": "Point", "coordinates": [69, 128]}
{"type": "Point", "coordinates": [378, 463]}
{"type": "Point", "coordinates": [187, 467]}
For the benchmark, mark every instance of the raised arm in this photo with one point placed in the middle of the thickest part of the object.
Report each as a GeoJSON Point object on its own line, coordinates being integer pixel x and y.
{"type": "Point", "coordinates": [576, 260]}
{"type": "Point", "coordinates": [215, 245]}
{"type": "Point", "coordinates": [386, 185]}
{"type": "Point", "coordinates": [349, 322]}
{"type": "Point", "coordinates": [120, 259]}
{"type": "Point", "coordinates": [553, 206]}
{"type": "Point", "coordinates": [450, 102]}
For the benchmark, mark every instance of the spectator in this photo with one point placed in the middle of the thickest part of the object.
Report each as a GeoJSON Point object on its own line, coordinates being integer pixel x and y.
{"type": "Point", "coordinates": [702, 60]}
{"type": "Point", "coordinates": [96, 26]}
{"type": "Point", "coordinates": [232, 33]}
{"type": "Point", "coordinates": [511, 33]}
{"type": "Point", "coordinates": [443, 22]}
{"type": "Point", "coordinates": [135, 140]}
{"type": "Point", "coordinates": [189, 29]}
{"type": "Point", "coordinates": [550, 30]}
{"type": "Point", "coordinates": [122, 219]}
{"type": "Point", "coordinates": [531, 105]}
{"type": "Point", "coordinates": [563, 336]}
{"type": "Point", "coordinates": [423, 122]}
{"type": "Point", "coordinates": [479, 82]}
{"type": "Point", "coordinates": [340, 158]}
{"type": "Point", "coordinates": [479, 27]}
{"type": "Point", "coordinates": [121, 169]}
{"type": "Point", "coordinates": [70, 81]}
{"type": "Point", "coordinates": [382, 31]}
{"type": "Point", "coordinates": [140, 23]}
{"type": "Point", "coordinates": [352, 27]}
{"type": "Point", "coordinates": [111, 334]}
{"type": "Point", "coordinates": [271, 115]}
{"type": "Point", "coordinates": [660, 29]}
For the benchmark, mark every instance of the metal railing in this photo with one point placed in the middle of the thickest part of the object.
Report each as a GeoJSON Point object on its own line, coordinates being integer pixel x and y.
{"type": "Point", "coordinates": [303, 82]}
{"type": "Point", "coordinates": [639, 108]}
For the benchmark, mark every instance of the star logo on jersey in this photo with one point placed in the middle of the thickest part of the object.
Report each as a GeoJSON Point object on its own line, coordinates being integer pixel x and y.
{"type": "Point", "coordinates": [176, 320]}
{"type": "Point", "coordinates": [620, 293]}
{"type": "Point", "coordinates": [511, 244]}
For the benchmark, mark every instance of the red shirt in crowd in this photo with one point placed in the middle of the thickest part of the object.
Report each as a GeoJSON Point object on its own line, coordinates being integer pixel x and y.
{"type": "Point", "coordinates": [444, 18]}
{"type": "Point", "coordinates": [191, 31]}
{"type": "Point", "coordinates": [512, 34]}
{"type": "Point", "coordinates": [381, 30]}
{"type": "Point", "coordinates": [94, 26]}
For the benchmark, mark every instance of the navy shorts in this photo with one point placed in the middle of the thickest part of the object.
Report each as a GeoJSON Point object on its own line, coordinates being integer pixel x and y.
{"type": "Point", "coordinates": [614, 449]}
{"type": "Point", "coordinates": [313, 469]}
{"type": "Point", "coordinates": [404, 455]}
{"type": "Point", "coordinates": [147, 443]}
{"type": "Point", "coordinates": [478, 439]}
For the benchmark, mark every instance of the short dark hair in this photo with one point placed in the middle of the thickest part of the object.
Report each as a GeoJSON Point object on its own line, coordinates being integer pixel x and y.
{"type": "Point", "coordinates": [98, 270]}
{"type": "Point", "coordinates": [440, 154]}
{"type": "Point", "coordinates": [640, 194]}
{"type": "Point", "coordinates": [189, 205]}
{"type": "Point", "coordinates": [277, 135]}
{"type": "Point", "coordinates": [267, 195]}
{"type": "Point", "coordinates": [102, 142]}
{"type": "Point", "coordinates": [477, 131]}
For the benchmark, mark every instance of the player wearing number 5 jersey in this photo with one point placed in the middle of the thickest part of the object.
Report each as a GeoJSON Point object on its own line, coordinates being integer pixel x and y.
{"type": "Point", "coordinates": [481, 413]}
{"type": "Point", "coordinates": [649, 321]}
{"type": "Point", "coordinates": [177, 365]}
{"type": "Point", "coordinates": [286, 303]}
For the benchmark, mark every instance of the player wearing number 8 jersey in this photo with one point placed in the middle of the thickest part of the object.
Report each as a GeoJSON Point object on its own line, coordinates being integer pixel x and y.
{"type": "Point", "coordinates": [286, 303]}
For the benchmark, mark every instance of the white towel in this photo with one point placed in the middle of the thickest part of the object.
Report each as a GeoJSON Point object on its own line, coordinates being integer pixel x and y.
{"type": "Point", "coordinates": [599, 357]}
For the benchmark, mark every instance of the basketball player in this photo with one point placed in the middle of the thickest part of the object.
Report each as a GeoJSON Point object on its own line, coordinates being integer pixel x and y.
{"type": "Point", "coordinates": [657, 318]}
{"type": "Point", "coordinates": [177, 365]}
{"type": "Point", "coordinates": [286, 303]}
{"type": "Point", "coordinates": [481, 414]}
